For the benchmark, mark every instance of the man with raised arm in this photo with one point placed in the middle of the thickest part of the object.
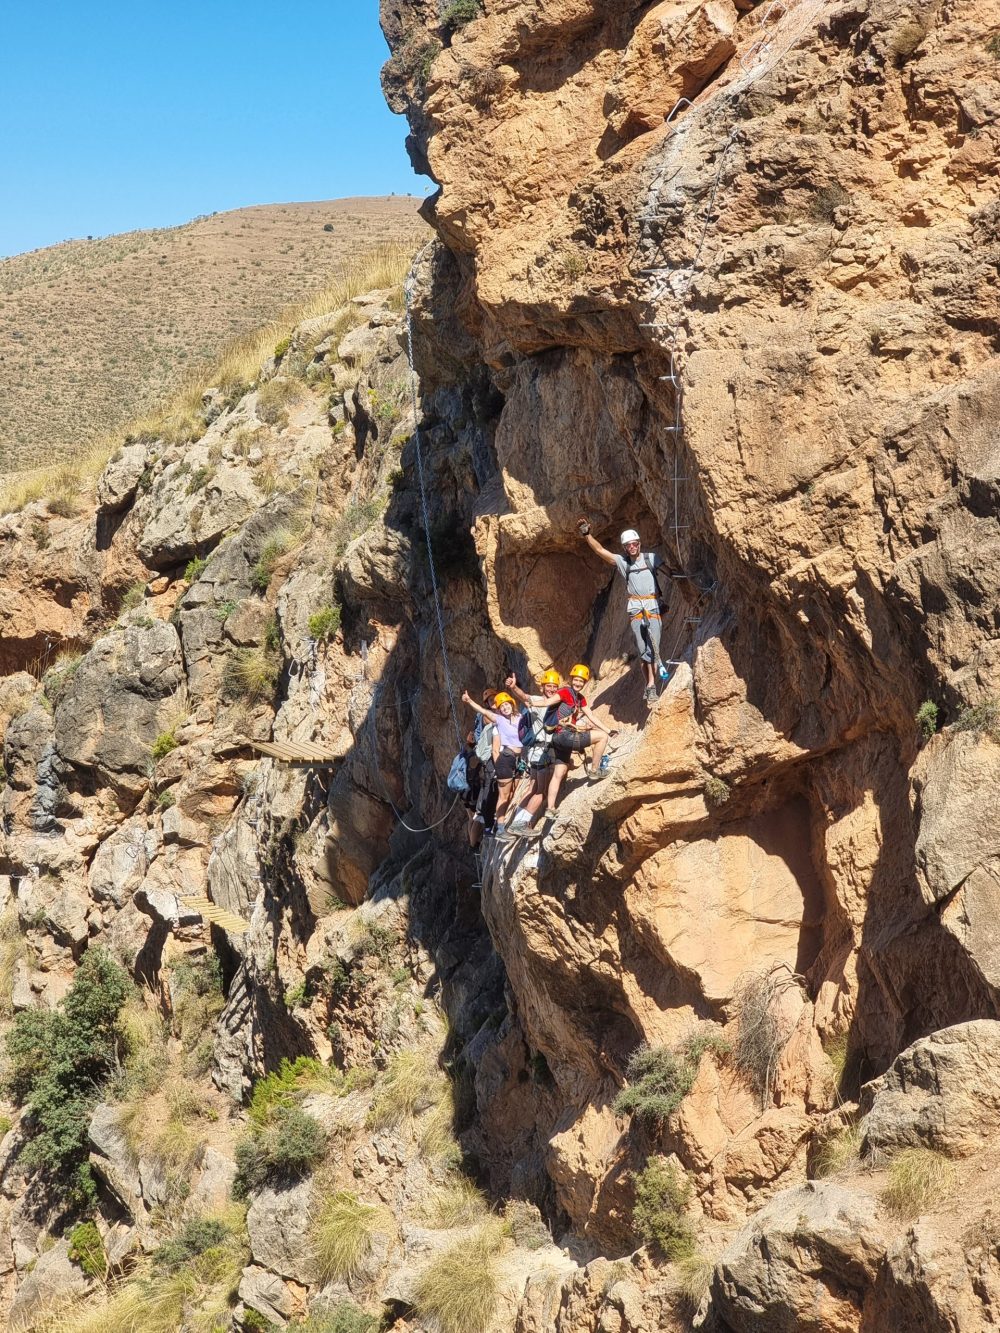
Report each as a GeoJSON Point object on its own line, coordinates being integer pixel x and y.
{"type": "Point", "coordinates": [639, 569]}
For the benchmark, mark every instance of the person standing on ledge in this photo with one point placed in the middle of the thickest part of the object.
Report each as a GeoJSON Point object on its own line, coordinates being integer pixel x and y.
{"type": "Point", "coordinates": [639, 569]}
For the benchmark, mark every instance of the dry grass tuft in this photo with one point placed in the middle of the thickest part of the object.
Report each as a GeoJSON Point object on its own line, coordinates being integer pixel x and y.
{"type": "Point", "coordinates": [459, 1289]}
{"type": "Point", "coordinates": [694, 1277]}
{"type": "Point", "coordinates": [343, 1230]}
{"type": "Point", "coordinates": [411, 1085]}
{"type": "Point", "coordinates": [760, 1036]}
{"type": "Point", "coordinates": [919, 1179]}
{"type": "Point", "coordinates": [839, 1151]}
{"type": "Point", "coordinates": [457, 1203]}
{"type": "Point", "coordinates": [12, 948]}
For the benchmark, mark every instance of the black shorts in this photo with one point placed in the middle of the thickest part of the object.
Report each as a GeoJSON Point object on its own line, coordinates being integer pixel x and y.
{"type": "Point", "coordinates": [505, 765]}
{"type": "Point", "coordinates": [569, 741]}
{"type": "Point", "coordinates": [542, 765]}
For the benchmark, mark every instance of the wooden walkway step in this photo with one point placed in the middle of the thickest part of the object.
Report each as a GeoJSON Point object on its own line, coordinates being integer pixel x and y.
{"type": "Point", "coordinates": [217, 915]}
{"type": "Point", "coordinates": [309, 754]}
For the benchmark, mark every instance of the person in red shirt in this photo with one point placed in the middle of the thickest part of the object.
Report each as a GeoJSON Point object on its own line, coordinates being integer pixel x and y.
{"type": "Point", "coordinates": [567, 735]}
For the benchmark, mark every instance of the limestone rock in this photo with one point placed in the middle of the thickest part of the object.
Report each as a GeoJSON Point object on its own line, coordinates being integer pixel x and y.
{"type": "Point", "coordinates": [54, 1278]}
{"type": "Point", "coordinates": [943, 1092]}
{"type": "Point", "coordinates": [117, 484]}
{"type": "Point", "coordinates": [278, 1225]}
{"type": "Point", "coordinates": [267, 1294]}
{"type": "Point", "coordinates": [806, 1263]}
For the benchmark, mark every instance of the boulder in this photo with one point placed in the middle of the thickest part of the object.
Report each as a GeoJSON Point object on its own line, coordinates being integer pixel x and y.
{"type": "Point", "coordinates": [213, 1187]}
{"type": "Point", "coordinates": [267, 1294]}
{"type": "Point", "coordinates": [943, 1092]}
{"type": "Point", "coordinates": [805, 1263]}
{"type": "Point", "coordinates": [53, 1279]}
{"type": "Point", "coordinates": [278, 1225]}
{"type": "Point", "coordinates": [112, 1159]}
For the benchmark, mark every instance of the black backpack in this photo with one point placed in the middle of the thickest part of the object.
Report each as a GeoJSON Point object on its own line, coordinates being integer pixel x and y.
{"type": "Point", "coordinates": [526, 729]}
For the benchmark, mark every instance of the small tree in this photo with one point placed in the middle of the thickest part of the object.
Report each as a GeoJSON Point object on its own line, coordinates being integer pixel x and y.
{"type": "Point", "coordinates": [661, 1200]}
{"type": "Point", "coordinates": [59, 1062]}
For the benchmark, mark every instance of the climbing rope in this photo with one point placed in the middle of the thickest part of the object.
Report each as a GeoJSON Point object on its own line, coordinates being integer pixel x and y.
{"type": "Point", "coordinates": [438, 611]}
{"type": "Point", "coordinates": [373, 707]}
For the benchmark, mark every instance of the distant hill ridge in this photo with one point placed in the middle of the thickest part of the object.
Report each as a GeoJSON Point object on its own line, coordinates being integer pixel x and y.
{"type": "Point", "coordinates": [94, 333]}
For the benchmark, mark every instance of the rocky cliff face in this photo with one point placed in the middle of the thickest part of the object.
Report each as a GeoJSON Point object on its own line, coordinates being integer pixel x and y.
{"type": "Point", "coordinates": [727, 273]}
{"type": "Point", "coordinates": [734, 270]}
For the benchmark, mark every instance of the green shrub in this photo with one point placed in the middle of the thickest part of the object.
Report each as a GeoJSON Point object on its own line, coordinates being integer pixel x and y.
{"type": "Point", "coordinates": [993, 46]}
{"type": "Point", "coordinates": [345, 1317]}
{"type": "Point", "coordinates": [927, 719]}
{"type": "Point", "coordinates": [984, 718]}
{"type": "Point", "coordinates": [323, 624]}
{"type": "Point", "coordinates": [459, 1289]}
{"type": "Point", "coordinates": [375, 941]}
{"type": "Point", "coordinates": [255, 1322]}
{"type": "Point", "coordinates": [224, 610]}
{"type": "Point", "coordinates": [659, 1214]}
{"type": "Point", "coordinates": [286, 1149]}
{"type": "Point", "coordinates": [296, 996]}
{"type": "Point", "coordinates": [716, 791]}
{"type": "Point", "coordinates": [460, 12]}
{"type": "Point", "coordinates": [164, 743]}
{"type": "Point", "coordinates": [166, 799]}
{"type": "Point", "coordinates": [200, 478]}
{"type": "Point", "coordinates": [274, 548]}
{"type": "Point", "coordinates": [659, 1079]}
{"type": "Point", "coordinates": [6, 1125]}
{"type": "Point", "coordinates": [194, 1238]}
{"type": "Point", "coordinates": [280, 1088]}
{"type": "Point", "coordinates": [58, 1063]}
{"type": "Point", "coordinates": [281, 347]}
{"type": "Point", "coordinates": [342, 1233]}
{"type": "Point", "coordinates": [87, 1249]}
{"type": "Point", "coordinates": [193, 569]}
{"type": "Point", "coordinates": [133, 596]}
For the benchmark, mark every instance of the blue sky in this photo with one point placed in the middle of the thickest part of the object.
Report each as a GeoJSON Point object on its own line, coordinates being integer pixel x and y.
{"type": "Point", "coordinates": [117, 116]}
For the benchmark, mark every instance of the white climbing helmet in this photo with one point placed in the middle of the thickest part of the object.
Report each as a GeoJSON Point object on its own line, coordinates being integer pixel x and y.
{"type": "Point", "coordinates": [629, 535]}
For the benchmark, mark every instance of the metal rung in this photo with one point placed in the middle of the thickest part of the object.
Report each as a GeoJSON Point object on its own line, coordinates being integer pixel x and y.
{"type": "Point", "coordinates": [655, 325]}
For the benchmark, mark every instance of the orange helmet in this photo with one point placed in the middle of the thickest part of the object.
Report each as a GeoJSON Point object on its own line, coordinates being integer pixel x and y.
{"type": "Point", "coordinates": [580, 670]}
{"type": "Point", "coordinates": [502, 698]}
{"type": "Point", "coordinates": [550, 677]}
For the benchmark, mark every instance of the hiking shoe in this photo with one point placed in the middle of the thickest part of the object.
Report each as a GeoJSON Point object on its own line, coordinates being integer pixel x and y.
{"type": "Point", "coordinates": [650, 694]}
{"type": "Point", "coordinates": [548, 819]}
{"type": "Point", "coordinates": [605, 763]}
{"type": "Point", "coordinates": [598, 776]}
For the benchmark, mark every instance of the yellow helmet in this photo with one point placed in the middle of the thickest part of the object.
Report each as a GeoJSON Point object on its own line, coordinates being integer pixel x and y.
{"type": "Point", "coordinates": [502, 698]}
{"type": "Point", "coordinates": [580, 670]}
{"type": "Point", "coordinates": [550, 677]}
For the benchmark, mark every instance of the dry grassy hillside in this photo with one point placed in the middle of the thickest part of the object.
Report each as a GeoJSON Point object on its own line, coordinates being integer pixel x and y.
{"type": "Point", "coordinates": [94, 333]}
